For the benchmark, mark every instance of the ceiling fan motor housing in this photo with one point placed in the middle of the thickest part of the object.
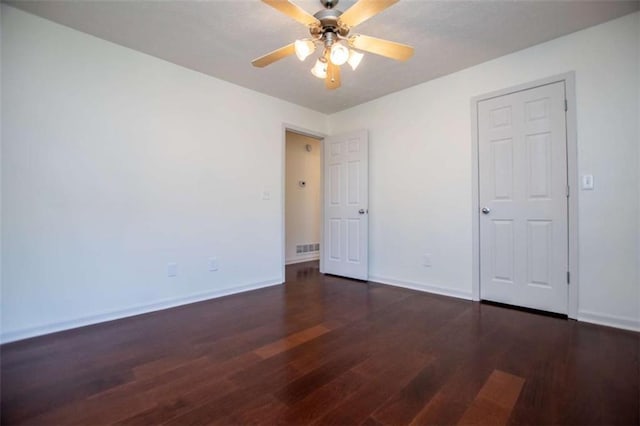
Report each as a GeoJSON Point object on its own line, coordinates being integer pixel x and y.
{"type": "Point", "coordinates": [329, 23]}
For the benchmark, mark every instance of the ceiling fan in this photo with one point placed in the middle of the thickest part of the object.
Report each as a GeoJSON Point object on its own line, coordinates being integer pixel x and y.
{"type": "Point", "coordinates": [331, 29]}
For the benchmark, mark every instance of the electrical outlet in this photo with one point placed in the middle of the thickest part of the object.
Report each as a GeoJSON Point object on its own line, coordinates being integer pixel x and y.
{"type": "Point", "coordinates": [172, 269]}
{"type": "Point", "coordinates": [426, 260]}
{"type": "Point", "coordinates": [212, 264]}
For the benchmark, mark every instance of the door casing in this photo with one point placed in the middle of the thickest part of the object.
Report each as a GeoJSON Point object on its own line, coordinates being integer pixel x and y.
{"type": "Point", "coordinates": [572, 176]}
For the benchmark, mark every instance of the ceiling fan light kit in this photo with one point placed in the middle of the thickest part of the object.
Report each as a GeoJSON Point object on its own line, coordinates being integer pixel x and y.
{"type": "Point", "coordinates": [320, 68]}
{"type": "Point", "coordinates": [339, 54]}
{"type": "Point", "coordinates": [331, 28]}
{"type": "Point", "coordinates": [304, 48]}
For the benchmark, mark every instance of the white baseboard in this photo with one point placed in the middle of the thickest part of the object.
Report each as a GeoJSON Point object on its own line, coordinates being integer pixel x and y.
{"type": "Point", "coordinates": [625, 323]}
{"type": "Point", "coordinates": [301, 259]}
{"type": "Point", "coordinates": [26, 333]}
{"type": "Point", "coordinates": [422, 287]}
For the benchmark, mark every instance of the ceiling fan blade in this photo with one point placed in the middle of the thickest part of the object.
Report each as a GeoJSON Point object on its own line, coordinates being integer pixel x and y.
{"type": "Point", "coordinates": [332, 80]}
{"type": "Point", "coordinates": [293, 11]}
{"type": "Point", "coordinates": [390, 49]}
{"type": "Point", "coordinates": [363, 10]}
{"type": "Point", "coordinates": [276, 55]}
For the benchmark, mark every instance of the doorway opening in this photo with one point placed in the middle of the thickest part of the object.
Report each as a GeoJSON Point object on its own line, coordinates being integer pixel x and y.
{"type": "Point", "coordinates": [303, 197]}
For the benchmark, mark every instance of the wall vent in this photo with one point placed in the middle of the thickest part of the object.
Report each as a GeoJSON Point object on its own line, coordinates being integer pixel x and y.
{"type": "Point", "coordinates": [307, 248]}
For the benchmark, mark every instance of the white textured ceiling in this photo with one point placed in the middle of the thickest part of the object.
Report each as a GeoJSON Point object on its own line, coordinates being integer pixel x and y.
{"type": "Point", "coordinates": [221, 37]}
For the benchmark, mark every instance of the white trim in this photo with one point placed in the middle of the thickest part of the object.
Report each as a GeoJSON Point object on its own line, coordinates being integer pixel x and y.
{"type": "Point", "coordinates": [301, 259]}
{"type": "Point", "coordinates": [160, 305]}
{"type": "Point", "coordinates": [312, 134]}
{"type": "Point", "coordinates": [574, 191]}
{"type": "Point", "coordinates": [475, 204]}
{"type": "Point", "coordinates": [625, 323]}
{"type": "Point", "coordinates": [569, 79]}
{"type": "Point", "coordinates": [426, 288]}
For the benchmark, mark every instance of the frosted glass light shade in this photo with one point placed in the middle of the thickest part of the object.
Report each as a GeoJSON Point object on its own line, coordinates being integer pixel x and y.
{"type": "Point", "coordinates": [339, 54]}
{"type": "Point", "coordinates": [354, 59]}
{"type": "Point", "coordinates": [304, 48]}
{"type": "Point", "coordinates": [319, 69]}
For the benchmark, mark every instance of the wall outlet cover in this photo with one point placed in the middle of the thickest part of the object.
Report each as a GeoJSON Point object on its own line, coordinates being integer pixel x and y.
{"type": "Point", "coordinates": [172, 269]}
{"type": "Point", "coordinates": [212, 264]}
{"type": "Point", "coordinates": [266, 193]}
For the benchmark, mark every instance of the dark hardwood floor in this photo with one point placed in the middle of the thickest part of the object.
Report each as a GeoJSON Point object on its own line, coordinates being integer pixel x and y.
{"type": "Point", "coordinates": [322, 350]}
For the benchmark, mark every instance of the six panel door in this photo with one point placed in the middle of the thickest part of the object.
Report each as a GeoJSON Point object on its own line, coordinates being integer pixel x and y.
{"type": "Point", "coordinates": [346, 203]}
{"type": "Point", "coordinates": [523, 198]}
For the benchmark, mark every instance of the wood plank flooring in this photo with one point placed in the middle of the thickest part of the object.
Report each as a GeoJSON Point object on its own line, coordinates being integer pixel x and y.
{"type": "Point", "coordinates": [326, 350]}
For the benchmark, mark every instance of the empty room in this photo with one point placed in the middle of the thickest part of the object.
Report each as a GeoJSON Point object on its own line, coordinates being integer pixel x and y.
{"type": "Point", "coordinates": [379, 212]}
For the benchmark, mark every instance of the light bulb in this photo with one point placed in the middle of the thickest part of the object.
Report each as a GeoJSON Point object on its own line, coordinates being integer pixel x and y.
{"type": "Point", "coordinates": [320, 69]}
{"type": "Point", "coordinates": [354, 59]}
{"type": "Point", "coordinates": [304, 48]}
{"type": "Point", "coordinates": [339, 54]}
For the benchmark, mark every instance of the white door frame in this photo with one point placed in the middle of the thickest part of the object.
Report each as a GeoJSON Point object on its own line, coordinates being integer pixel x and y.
{"type": "Point", "coordinates": [316, 135]}
{"type": "Point", "coordinates": [572, 180]}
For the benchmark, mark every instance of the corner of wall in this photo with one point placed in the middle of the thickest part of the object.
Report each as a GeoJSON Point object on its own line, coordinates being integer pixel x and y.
{"type": "Point", "coordinates": [2, 6]}
{"type": "Point", "coordinates": [638, 148]}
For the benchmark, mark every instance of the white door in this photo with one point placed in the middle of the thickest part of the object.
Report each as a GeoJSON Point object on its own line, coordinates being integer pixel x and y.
{"type": "Point", "coordinates": [523, 198]}
{"type": "Point", "coordinates": [346, 205]}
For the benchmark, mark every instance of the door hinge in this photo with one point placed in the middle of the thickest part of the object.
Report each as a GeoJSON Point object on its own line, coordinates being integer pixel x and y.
{"type": "Point", "coordinates": [566, 105]}
{"type": "Point", "coordinates": [568, 191]}
{"type": "Point", "coordinates": [568, 277]}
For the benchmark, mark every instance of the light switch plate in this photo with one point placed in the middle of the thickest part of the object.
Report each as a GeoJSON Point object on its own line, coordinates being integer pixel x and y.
{"type": "Point", "coordinates": [587, 182]}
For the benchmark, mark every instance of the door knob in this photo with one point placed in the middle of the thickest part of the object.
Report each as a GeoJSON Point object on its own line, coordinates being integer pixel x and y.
{"type": "Point", "coordinates": [361, 211]}
{"type": "Point", "coordinates": [486, 210]}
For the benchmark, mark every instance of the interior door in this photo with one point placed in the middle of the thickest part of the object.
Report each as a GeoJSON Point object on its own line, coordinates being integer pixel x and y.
{"type": "Point", "coordinates": [523, 198]}
{"type": "Point", "coordinates": [346, 205]}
